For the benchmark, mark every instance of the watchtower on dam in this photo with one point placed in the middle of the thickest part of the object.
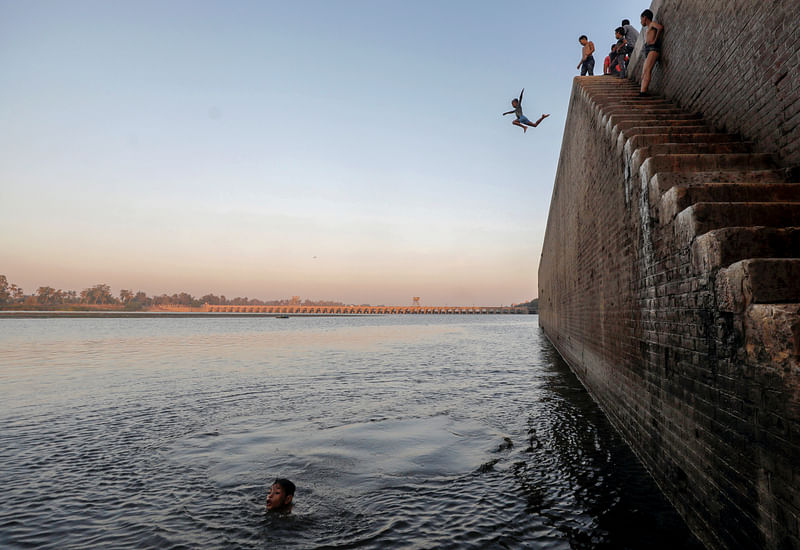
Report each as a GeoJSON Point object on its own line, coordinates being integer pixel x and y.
{"type": "Point", "coordinates": [670, 271]}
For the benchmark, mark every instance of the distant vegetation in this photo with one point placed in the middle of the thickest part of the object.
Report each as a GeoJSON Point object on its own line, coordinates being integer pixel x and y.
{"type": "Point", "coordinates": [100, 297]}
{"type": "Point", "coordinates": [533, 305]}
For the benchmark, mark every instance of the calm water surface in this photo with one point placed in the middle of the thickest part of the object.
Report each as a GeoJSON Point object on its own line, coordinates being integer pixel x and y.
{"type": "Point", "coordinates": [400, 432]}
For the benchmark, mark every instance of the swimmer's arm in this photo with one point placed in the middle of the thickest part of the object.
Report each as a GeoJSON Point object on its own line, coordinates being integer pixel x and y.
{"type": "Point", "coordinates": [508, 113]}
{"type": "Point", "coordinates": [520, 97]}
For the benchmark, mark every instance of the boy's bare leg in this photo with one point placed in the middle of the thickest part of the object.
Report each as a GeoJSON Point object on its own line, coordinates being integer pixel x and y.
{"type": "Point", "coordinates": [647, 70]}
{"type": "Point", "coordinates": [541, 118]}
{"type": "Point", "coordinates": [518, 123]}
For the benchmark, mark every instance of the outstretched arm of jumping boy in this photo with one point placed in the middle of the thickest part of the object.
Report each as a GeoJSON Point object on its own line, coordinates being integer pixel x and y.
{"type": "Point", "coordinates": [508, 113]}
{"type": "Point", "coordinates": [520, 96]}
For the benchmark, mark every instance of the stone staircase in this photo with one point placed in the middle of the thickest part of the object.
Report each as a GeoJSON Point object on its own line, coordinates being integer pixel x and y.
{"type": "Point", "coordinates": [736, 209]}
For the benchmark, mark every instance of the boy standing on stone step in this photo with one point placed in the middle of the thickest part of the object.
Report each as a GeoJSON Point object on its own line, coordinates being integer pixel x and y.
{"type": "Point", "coordinates": [587, 61]}
{"type": "Point", "coordinates": [620, 49]}
{"type": "Point", "coordinates": [631, 35]}
{"type": "Point", "coordinates": [652, 47]}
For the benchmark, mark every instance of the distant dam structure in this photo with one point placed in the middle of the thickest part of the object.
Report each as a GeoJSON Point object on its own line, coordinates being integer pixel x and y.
{"type": "Point", "coordinates": [367, 310]}
{"type": "Point", "coordinates": [670, 273]}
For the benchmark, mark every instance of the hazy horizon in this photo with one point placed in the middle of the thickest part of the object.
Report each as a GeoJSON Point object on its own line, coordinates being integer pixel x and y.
{"type": "Point", "coordinates": [351, 151]}
{"type": "Point", "coordinates": [198, 296]}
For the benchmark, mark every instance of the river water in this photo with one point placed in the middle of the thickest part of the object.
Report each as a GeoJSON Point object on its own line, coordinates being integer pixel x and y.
{"type": "Point", "coordinates": [399, 431]}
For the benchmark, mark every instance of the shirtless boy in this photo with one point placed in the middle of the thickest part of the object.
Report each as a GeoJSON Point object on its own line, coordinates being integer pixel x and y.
{"type": "Point", "coordinates": [587, 61]}
{"type": "Point", "coordinates": [280, 496]}
{"type": "Point", "coordinates": [652, 47]}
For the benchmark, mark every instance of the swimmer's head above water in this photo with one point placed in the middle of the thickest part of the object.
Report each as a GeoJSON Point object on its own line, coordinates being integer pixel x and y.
{"type": "Point", "coordinates": [279, 498]}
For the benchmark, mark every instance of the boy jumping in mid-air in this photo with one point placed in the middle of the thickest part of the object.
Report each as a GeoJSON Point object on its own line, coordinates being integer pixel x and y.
{"type": "Point", "coordinates": [521, 120]}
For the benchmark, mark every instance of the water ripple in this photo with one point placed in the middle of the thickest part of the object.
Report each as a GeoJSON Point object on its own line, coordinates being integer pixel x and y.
{"type": "Point", "coordinates": [440, 432]}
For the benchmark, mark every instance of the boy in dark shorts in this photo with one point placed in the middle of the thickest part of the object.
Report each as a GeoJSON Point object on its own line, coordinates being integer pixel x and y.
{"type": "Point", "coordinates": [652, 48]}
{"type": "Point", "coordinates": [521, 120]}
{"type": "Point", "coordinates": [587, 60]}
{"type": "Point", "coordinates": [280, 496]}
{"type": "Point", "coordinates": [620, 49]}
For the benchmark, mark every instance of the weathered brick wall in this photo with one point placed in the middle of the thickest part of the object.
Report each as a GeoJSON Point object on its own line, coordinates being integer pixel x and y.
{"type": "Point", "coordinates": [737, 62]}
{"type": "Point", "coordinates": [639, 324]}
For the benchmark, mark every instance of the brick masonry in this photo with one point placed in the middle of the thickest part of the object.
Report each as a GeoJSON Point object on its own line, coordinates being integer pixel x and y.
{"type": "Point", "coordinates": [736, 62]}
{"type": "Point", "coordinates": [670, 272]}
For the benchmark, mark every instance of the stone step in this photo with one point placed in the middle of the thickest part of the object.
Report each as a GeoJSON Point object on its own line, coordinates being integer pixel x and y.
{"type": "Point", "coordinates": [651, 117]}
{"type": "Point", "coordinates": [758, 281]}
{"type": "Point", "coordinates": [609, 99]}
{"type": "Point", "coordinates": [629, 93]}
{"type": "Point", "coordinates": [706, 148]}
{"type": "Point", "coordinates": [629, 146]}
{"type": "Point", "coordinates": [643, 140]}
{"type": "Point", "coordinates": [626, 95]}
{"type": "Point", "coordinates": [643, 153]}
{"type": "Point", "coordinates": [629, 119]}
{"type": "Point", "coordinates": [594, 82]}
{"type": "Point", "coordinates": [703, 163]}
{"type": "Point", "coordinates": [634, 99]}
{"type": "Point", "coordinates": [618, 109]}
{"type": "Point", "coordinates": [671, 130]}
{"type": "Point", "coordinates": [622, 135]}
{"type": "Point", "coordinates": [615, 101]}
{"type": "Point", "coordinates": [623, 125]}
{"type": "Point", "coordinates": [662, 182]}
{"type": "Point", "coordinates": [771, 336]}
{"type": "Point", "coordinates": [652, 114]}
{"type": "Point", "coordinates": [680, 197]}
{"type": "Point", "coordinates": [723, 247]}
{"type": "Point", "coordinates": [638, 105]}
{"type": "Point", "coordinates": [703, 217]}
{"type": "Point", "coordinates": [609, 85]}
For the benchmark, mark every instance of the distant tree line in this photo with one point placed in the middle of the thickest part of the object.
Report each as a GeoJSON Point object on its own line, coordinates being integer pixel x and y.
{"type": "Point", "coordinates": [533, 305]}
{"type": "Point", "coordinates": [100, 294]}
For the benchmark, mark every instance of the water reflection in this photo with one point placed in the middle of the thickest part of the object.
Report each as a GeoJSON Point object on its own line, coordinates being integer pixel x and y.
{"type": "Point", "coordinates": [399, 432]}
{"type": "Point", "coordinates": [602, 474]}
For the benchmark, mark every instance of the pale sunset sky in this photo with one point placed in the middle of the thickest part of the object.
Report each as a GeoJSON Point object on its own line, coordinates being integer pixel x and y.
{"type": "Point", "coordinates": [340, 150]}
